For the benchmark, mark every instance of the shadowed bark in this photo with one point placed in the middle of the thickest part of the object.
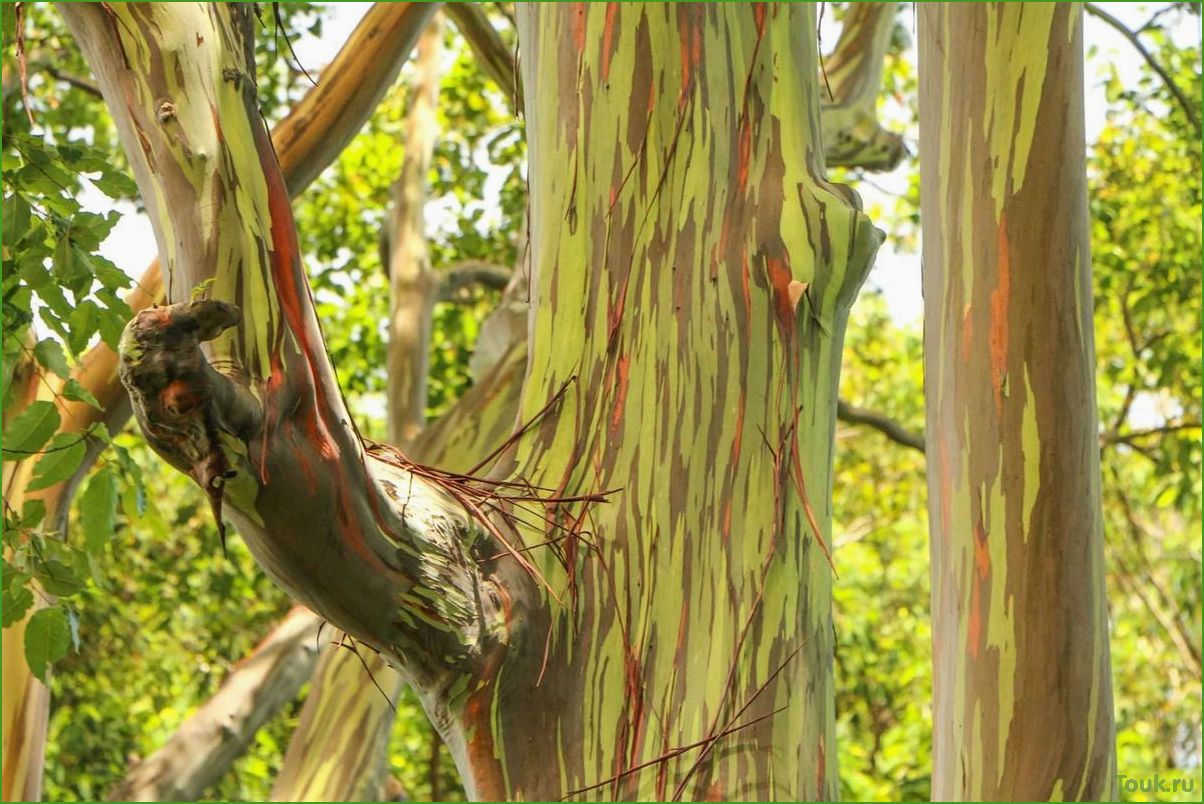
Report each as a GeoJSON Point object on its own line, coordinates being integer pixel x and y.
{"type": "Point", "coordinates": [1022, 681]}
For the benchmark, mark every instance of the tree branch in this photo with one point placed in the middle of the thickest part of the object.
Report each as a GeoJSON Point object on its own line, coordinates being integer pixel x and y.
{"type": "Point", "coordinates": [880, 422]}
{"type": "Point", "coordinates": [1193, 115]}
{"type": "Point", "coordinates": [453, 281]}
{"type": "Point", "coordinates": [852, 135]}
{"type": "Point", "coordinates": [494, 57]}
{"type": "Point", "coordinates": [350, 88]}
{"type": "Point", "coordinates": [306, 141]}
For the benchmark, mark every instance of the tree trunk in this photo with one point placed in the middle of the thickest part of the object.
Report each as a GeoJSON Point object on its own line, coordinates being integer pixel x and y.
{"type": "Point", "coordinates": [1022, 685]}
{"type": "Point", "coordinates": [338, 752]}
{"type": "Point", "coordinates": [691, 276]}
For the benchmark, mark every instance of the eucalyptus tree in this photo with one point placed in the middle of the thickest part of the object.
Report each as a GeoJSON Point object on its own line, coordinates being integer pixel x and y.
{"type": "Point", "coordinates": [687, 256]}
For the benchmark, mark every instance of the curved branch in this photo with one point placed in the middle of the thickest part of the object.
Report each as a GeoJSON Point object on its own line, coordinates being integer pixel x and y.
{"type": "Point", "coordinates": [1193, 115]}
{"type": "Point", "coordinates": [471, 273]}
{"type": "Point", "coordinates": [852, 135]}
{"type": "Point", "coordinates": [880, 422]}
{"type": "Point", "coordinates": [306, 141]}
{"type": "Point", "coordinates": [349, 89]}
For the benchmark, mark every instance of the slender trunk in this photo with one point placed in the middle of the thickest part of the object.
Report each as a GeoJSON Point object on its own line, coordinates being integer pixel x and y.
{"type": "Point", "coordinates": [339, 750]}
{"type": "Point", "coordinates": [202, 749]}
{"type": "Point", "coordinates": [411, 282]}
{"type": "Point", "coordinates": [1022, 685]}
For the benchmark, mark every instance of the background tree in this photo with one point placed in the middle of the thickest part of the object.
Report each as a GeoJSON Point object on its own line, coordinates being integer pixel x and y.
{"type": "Point", "coordinates": [1022, 659]}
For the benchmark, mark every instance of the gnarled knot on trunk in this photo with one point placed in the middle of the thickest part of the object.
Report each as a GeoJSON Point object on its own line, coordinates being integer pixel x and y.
{"type": "Point", "coordinates": [191, 414]}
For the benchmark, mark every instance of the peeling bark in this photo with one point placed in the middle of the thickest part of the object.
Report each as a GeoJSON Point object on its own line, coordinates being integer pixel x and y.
{"type": "Point", "coordinates": [853, 137]}
{"type": "Point", "coordinates": [1022, 681]}
{"type": "Point", "coordinates": [691, 273]}
{"type": "Point", "coordinates": [201, 751]}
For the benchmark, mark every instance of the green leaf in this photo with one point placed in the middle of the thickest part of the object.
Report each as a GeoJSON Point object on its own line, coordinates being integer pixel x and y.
{"type": "Point", "coordinates": [109, 274]}
{"type": "Point", "coordinates": [58, 577]}
{"type": "Point", "coordinates": [47, 637]}
{"type": "Point", "coordinates": [16, 215]}
{"type": "Point", "coordinates": [115, 185]}
{"type": "Point", "coordinates": [15, 601]}
{"type": "Point", "coordinates": [201, 288]}
{"type": "Point", "coordinates": [30, 430]}
{"type": "Point", "coordinates": [32, 513]}
{"type": "Point", "coordinates": [73, 625]}
{"type": "Point", "coordinates": [83, 323]}
{"type": "Point", "coordinates": [98, 510]}
{"type": "Point", "coordinates": [49, 353]}
{"type": "Point", "coordinates": [78, 393]}
{"type": "Point", "coordinates": [60, 459]}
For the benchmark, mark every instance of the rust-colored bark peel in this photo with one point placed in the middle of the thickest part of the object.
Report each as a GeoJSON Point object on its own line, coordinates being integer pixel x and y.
{"type": "Point", "coordinates": [1022, 683]}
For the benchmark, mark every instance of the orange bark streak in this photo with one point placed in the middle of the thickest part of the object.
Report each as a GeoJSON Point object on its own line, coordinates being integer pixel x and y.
{"type": "Point", "coordinates": [608, 34]}
{"type": "Point", "coordinates": [579, 26]}
{"type": "Point", "coordinates": [743, 155]}
{"type": "Point", "coordinates": [779, 280]}
{"type": "Point", "coordinates": [621, 399]}
{"type": "Point", "coordinates": [999, 315]}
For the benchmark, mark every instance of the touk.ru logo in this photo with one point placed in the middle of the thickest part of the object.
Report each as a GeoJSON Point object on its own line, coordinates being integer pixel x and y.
{"type": "Point", "coordinates": [1156, 784]}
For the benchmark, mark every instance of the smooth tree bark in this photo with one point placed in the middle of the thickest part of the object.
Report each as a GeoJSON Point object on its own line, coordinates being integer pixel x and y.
{"type": "Point", "coordinates": [1022, 682]}
{"type": "Point", "coordinates": [306, 141]}
{"type": "Point", "coordinates": [666, 630]}
{"type": "Point", "coordinates": [339, 749]}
